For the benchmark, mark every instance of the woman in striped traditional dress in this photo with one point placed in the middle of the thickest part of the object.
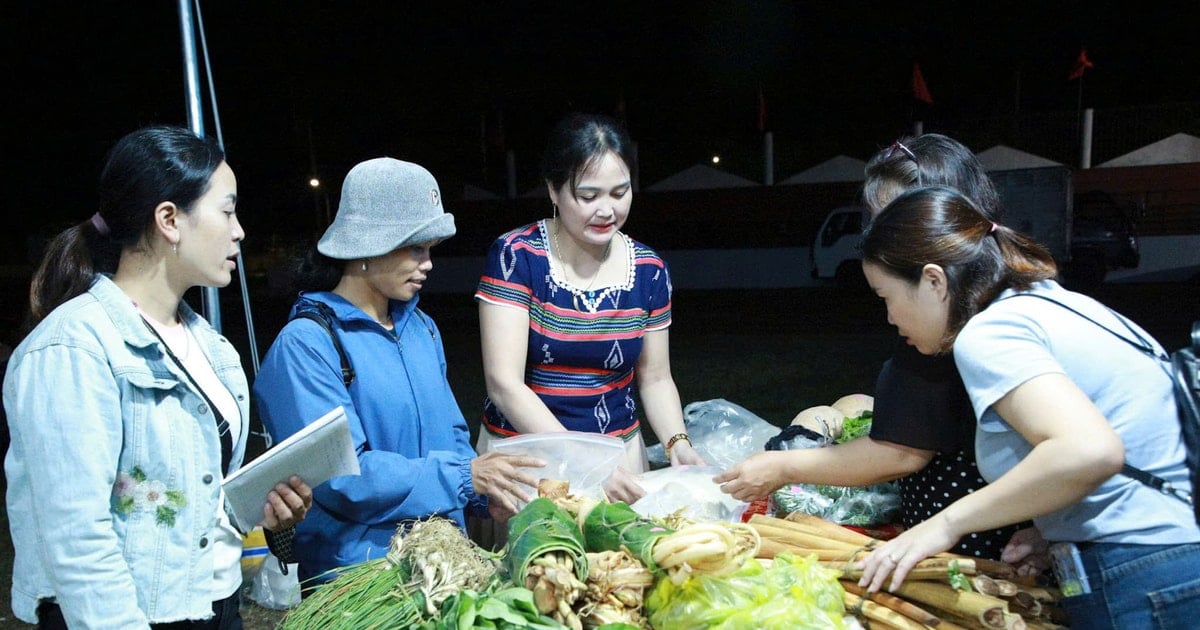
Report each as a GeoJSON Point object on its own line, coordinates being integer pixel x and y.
{"type": "Point", "coordinates": [571, 309]}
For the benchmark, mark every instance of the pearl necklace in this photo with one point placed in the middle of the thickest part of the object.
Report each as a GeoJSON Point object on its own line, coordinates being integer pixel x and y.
{"type": "Point", "coordinates": [561, 261]}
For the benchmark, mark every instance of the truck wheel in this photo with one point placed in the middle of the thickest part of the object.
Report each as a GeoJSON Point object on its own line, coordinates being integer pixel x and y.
{"type": "Point", "coordinates": [1086, 271]}
{"type": "Point", "coordinates": [849, 275]}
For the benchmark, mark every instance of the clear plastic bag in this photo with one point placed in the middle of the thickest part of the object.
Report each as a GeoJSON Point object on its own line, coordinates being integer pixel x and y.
{"type": "Point", "coordinates": [688, 490]}
{"type": "Point", "coordinates": [586, 460]}
{"type": "Point", "coordinates": [724, 433]}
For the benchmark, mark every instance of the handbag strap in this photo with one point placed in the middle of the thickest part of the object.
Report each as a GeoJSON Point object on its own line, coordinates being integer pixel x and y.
{"type": "Point", "coordinates": [1146, 348]}
{"type": "Point", "coordinates": [223, 430]}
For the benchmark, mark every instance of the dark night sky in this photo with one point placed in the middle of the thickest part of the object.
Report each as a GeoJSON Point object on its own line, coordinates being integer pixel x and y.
{"type": "Point", "coordinates": [301, 82]}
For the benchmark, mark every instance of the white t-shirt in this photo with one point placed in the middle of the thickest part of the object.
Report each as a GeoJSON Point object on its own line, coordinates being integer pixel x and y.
{"type": "Point", "coordinates": [1017, 338]}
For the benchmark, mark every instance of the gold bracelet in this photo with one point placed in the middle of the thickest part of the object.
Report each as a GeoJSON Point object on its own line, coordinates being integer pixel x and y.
{"type": "Point", "coordinates": [675, 438]}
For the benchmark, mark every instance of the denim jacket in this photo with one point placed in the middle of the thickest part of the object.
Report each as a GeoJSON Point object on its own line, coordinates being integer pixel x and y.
{"type": "Point", "coordinates": [114, 470]}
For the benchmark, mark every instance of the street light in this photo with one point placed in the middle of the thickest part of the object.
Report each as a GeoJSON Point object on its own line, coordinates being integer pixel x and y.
{"type": "Point", "coordinates": [716, 159]}
{"type": "Point", "coordinates": [320, 195]}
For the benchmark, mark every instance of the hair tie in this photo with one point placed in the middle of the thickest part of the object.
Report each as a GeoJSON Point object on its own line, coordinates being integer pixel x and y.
{"type": "Point", "coordinates": [993, 230]}
{"type": "Point", "coordinates": [97, 222]}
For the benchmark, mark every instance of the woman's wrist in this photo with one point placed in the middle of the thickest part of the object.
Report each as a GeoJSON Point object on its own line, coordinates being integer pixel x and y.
{"type": "Point", "coordinates": [674, 440]}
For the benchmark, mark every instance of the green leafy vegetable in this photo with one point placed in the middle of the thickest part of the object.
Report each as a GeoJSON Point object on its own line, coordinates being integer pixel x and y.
{"type": "Point", "coordinates": [957, 579]}
{"type": "Point", "coordinates": [538, 528]}
{"type": "Point", "coordinates": [611, 526]}
{"type": "Point", "coordinates": [853, 428]}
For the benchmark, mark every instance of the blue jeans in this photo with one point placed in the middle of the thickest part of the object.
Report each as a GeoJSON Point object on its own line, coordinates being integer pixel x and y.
{"type": "Point", "coordinates": [1138, 586]}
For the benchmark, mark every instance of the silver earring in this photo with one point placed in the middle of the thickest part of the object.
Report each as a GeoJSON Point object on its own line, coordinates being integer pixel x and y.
{"type": "Point", "coordinates": [364, 265]}
{"type": "Point", "coordinates": [555, 207]}
{"type": "Point", "coordinates": [175, 248]}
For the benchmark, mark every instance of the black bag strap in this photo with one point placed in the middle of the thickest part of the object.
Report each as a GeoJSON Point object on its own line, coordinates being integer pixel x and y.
{"type": "Point", "coordinates": [223, 430]}
{"type": "Point", "coordinates": [1164, 361]}
{"type": "Point", "coordinates": [324, 316]}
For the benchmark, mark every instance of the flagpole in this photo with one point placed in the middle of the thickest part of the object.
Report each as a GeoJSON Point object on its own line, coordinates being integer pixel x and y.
{"type": "Point", "coordinates": [1079, 109]}
{"type": "Point", "coordinates": [210, 300]}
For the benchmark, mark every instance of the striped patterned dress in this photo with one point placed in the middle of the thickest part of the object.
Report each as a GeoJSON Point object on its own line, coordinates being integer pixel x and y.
{"type": "Point", "coordinates": [583, 346]}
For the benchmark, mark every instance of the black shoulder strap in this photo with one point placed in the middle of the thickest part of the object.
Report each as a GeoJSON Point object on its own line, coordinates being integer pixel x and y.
{"type": "Point", "coordinates": [323, 315]}
{"type": "Point", "coordinates": [1149, 479]}
{"type": "Point", "coordinates": [1145, 347]}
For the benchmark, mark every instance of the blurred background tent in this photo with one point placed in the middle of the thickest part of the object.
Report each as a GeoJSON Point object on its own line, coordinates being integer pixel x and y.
{"type": "Point", "coordinates": [1005, 158]}
{"type": "Point", "coordinates": [701, 177]}
{"type": "Point", "coordinates": [1180, 148]}
{"type": "Point", "coordinates": [840, 168]}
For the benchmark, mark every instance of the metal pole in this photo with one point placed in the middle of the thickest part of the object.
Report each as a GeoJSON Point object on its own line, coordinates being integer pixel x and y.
{"type": "Point", "coordinates": [210, 299]}
{"type": "Point", "coordinates": [1085, 145]}
{"type": "Point", "coordinates": [768, 159]}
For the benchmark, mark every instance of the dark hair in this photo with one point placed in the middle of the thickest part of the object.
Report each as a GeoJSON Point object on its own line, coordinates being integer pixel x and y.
{"type": "Point", "coordinates": [940, 225]}
{"type": "Point", "coordinates": [145, 168]}
{"type": "Point", "coordinates": [580, 141]}
{"type": "Point", "coordinates": [317, 272]}
{"type": "Point", "coordinates": [936, 160]}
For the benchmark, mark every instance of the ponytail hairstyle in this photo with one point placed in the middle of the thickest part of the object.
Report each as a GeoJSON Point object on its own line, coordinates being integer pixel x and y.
{"type": "Point", "coordinates": [928, 160]}
{"type": "Point", "coordinates": [144, 169]}
{"type": "Point", "coordinates": [579, 142]}
{"type": "Point", "coordinates": [941, 226]}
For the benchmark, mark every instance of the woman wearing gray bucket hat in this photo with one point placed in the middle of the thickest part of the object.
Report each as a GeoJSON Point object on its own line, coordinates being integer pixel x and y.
{"type": "Point", "coordinates": [570, 308]}
{"type": "Point", "coordinates": [362, 283]}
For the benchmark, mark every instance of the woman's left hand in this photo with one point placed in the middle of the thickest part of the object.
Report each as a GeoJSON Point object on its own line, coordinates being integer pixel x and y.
{"type": "Point", "coordinates": [682, 454]}
{"type": "Point", "coordinates": [287, 504]}
{"type": "Point", "coordinates": [899, 555]}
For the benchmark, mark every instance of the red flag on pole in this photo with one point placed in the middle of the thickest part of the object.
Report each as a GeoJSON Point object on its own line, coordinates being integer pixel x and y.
{"type": "Point", "coordinates": [762, 110]}
{"type": "Point", "coordinates": [920, 91]}
{"type": "Point", "coordinates": [1082, 64]}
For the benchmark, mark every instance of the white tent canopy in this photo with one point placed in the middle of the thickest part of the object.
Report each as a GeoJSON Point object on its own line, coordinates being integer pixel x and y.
{"type": "Point", "coordinates": [1180, 148]}
{"type": "Point", "coordinates": [1005, 158]}
{"type": "Point", "coordinates": [700, 177]}
{"type": "Point", "coordinates": [841, 168]}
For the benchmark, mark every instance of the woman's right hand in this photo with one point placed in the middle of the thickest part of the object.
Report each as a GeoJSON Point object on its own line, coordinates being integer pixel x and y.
{"type": "Point", "coordinates": [623, 485]}
{"type": "Point", "coordinates": [500, 477]}
{"type": "Point", "coordinates": [753, 478]}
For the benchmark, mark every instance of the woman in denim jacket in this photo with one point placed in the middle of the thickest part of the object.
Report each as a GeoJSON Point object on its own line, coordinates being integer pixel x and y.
{"type": "Point", "coordinates": [127, 409]}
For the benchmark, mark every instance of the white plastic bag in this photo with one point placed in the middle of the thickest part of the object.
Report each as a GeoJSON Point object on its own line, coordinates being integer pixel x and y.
{"type": "Point", "coordinates": [585, 460]}
{"type": "Point", "coordinates": [270, 588]}
{"type": "Point", "coordinates": [722, 432]}
{"type": "Point", "coordinates": [688, 490]}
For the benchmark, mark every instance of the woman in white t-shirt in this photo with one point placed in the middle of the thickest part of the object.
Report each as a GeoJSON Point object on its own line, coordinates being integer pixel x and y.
{"type": "Point", "coordinates": [1064, 400]}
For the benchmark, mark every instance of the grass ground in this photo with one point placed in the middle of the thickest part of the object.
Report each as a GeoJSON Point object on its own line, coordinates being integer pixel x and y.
{"type": "Point", "coordinates": [774, 352]}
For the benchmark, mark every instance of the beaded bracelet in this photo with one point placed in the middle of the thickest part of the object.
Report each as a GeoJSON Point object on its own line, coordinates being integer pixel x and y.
{"type": "Point", "coordinates": [675, 438]}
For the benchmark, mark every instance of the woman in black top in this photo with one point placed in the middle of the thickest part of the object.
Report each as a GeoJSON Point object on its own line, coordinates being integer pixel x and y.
{"type": "Point", "coordinates": [916, 396]}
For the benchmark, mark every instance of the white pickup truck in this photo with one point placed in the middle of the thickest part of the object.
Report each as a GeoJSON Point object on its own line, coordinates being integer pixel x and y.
{"type": "Point", "coordinates": [834, 253]}
{"type": "Point", "coordinates": [1034, 201]}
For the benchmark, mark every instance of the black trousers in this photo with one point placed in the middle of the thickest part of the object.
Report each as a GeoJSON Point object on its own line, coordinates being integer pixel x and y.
{"type": "Point", "coordinates": [226, 616]}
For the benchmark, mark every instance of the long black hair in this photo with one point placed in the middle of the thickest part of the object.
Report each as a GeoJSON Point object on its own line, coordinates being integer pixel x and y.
{"type": "Point", "coordinates": [145, 168]}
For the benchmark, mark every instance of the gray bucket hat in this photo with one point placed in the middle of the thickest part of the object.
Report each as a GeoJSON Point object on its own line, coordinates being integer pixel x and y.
{"type": "Point", "coordinates": [386, 204]}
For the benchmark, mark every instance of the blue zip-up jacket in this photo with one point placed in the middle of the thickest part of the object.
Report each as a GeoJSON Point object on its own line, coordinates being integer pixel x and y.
{"type": "Point", "coordinates": [114, 471]}
{"type": "Point", "coordinates": [413, 443]}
